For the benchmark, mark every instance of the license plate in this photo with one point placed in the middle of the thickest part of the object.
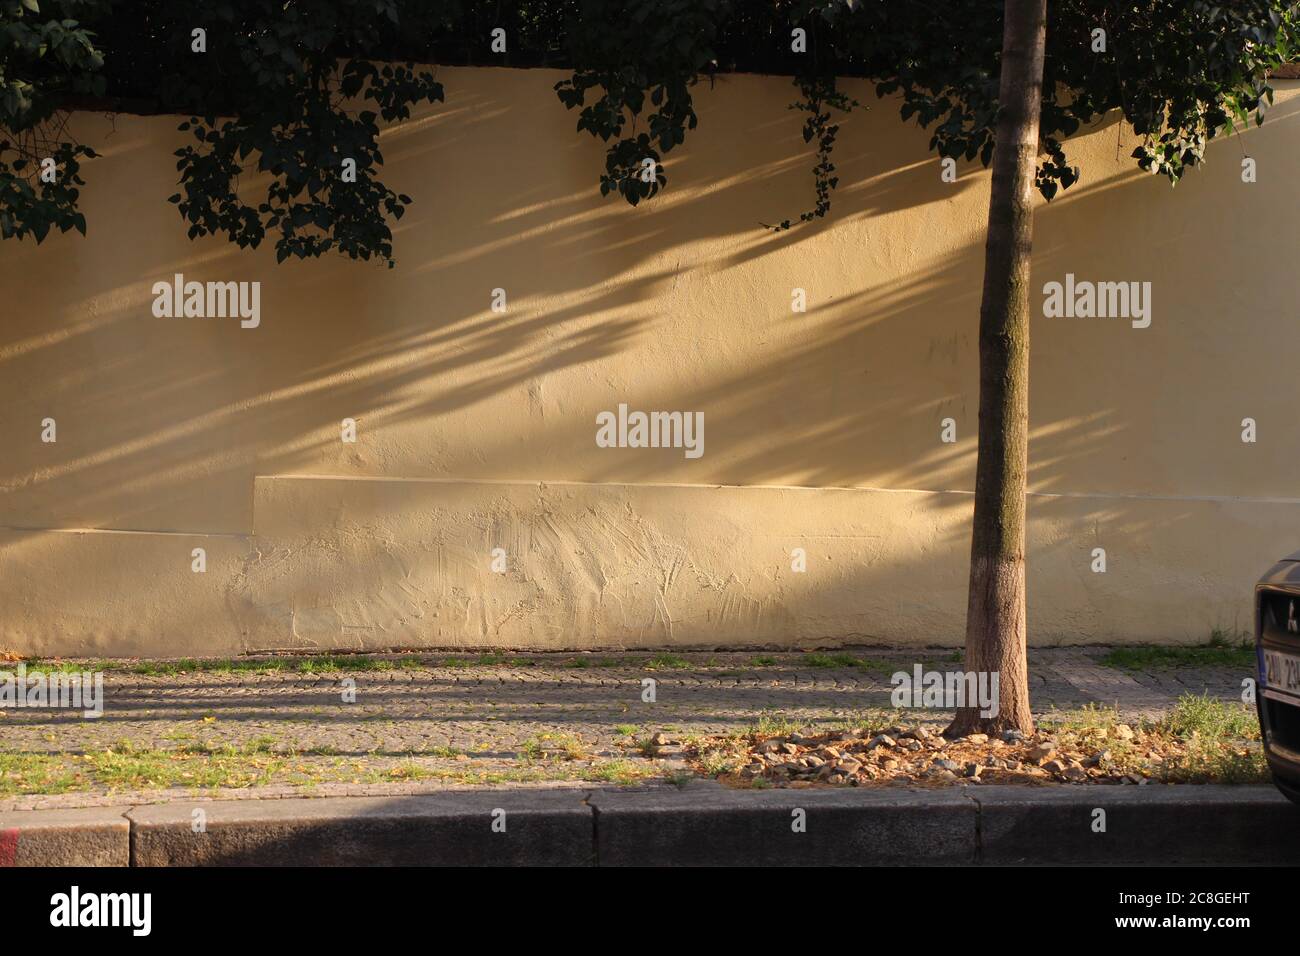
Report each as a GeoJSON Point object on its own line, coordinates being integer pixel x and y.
{"type": "Point", "coordinates": [1282, 672]}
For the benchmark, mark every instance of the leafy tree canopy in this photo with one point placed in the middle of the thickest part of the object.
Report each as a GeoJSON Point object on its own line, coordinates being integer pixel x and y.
{"type": "Point", "coordinates": [290, 89]}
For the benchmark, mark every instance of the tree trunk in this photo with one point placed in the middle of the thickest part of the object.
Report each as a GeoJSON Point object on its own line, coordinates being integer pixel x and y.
{"type": "Point", "coordinates": [995, 612]}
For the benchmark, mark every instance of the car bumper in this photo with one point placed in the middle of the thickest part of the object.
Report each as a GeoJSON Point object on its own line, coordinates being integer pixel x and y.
{"type": "Point", "coordinates": [1277, 605]}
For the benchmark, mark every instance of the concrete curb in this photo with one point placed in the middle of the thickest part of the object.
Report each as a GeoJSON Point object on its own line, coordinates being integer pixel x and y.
{"type": "Point", "coordinates": [94, 836]}
{"type": "Point", "coordinates": [1164, 824]}
{"type": "Point", "coordinates": [463, 829]}
{"type": "Point", "coordinates": [701, 824]}
{"type": "Point", "coordinates": [711, 826]}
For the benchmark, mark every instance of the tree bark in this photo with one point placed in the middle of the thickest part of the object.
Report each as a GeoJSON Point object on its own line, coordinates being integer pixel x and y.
{"type": "Point", "coordinates": [995, 612]}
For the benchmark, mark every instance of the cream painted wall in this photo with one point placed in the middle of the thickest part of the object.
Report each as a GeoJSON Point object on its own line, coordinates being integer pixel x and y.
{"type": "Point", "coordinates": [476, 429]}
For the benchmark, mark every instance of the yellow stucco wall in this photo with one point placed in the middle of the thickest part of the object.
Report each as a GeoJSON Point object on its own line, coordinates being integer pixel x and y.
{"type": "Point", "coordinates": [476, 430]}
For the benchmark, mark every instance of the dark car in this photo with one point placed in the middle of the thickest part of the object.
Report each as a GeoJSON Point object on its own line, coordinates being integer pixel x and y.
{"type": "Point", "coordinates": [1277, 650]}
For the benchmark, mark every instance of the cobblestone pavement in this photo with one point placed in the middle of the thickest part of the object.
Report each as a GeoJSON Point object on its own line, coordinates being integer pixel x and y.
{"type": "Point", "coordinates": [528, 705]}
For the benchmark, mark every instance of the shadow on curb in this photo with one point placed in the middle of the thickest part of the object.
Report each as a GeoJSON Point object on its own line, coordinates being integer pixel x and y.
{"type": "Point", "coordinates": [702, 824]}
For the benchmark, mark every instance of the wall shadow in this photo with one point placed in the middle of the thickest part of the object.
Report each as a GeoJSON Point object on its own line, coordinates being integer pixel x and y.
{"type": "Point", "coordinates": [683, 303]}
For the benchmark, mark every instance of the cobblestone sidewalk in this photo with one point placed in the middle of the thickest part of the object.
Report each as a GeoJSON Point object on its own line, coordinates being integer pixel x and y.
{"type": "Point", "coordinates": [479, 717]}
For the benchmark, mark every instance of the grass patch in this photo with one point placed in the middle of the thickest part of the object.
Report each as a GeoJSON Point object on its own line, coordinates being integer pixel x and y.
{"type": "Point", "coordinates": [1221, 742]}
{"type": "Point", "coordinates": [618, 771]}
{"type": "Point", "coordinates": [122, 768]}
{"type": "Point", "coordinates": [567, 746]}
{"type": "Point", "coordinates": [38, 773]}
{"type": "Point", "coordinates": [1087, 720]}
{"type": "Point", "coordinates": [1209, 717]}
{"type": "Point", "coordinates": [846, 661]}
{"type": "Point", "coordinates": [716, 761]}
{"type": "Point", "coordinates": [830, 660]}
{"type": "Point", "coordinates": [1220, 652]}
{"type": "Point", "coordinates": [773, 725]}
{"type": "Point", "coordinates": [58, 666]}
{"type": "Point", "coordinates": [872, 717]}
{"type": "Point", "coordinates": [1217, 763]}
{"type": "Point", "coordinates": [333, 663]}
{"type": "Point", "coordinates": [1201, 740]}
{"type": "Point", "coordinates": [666, 662]}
